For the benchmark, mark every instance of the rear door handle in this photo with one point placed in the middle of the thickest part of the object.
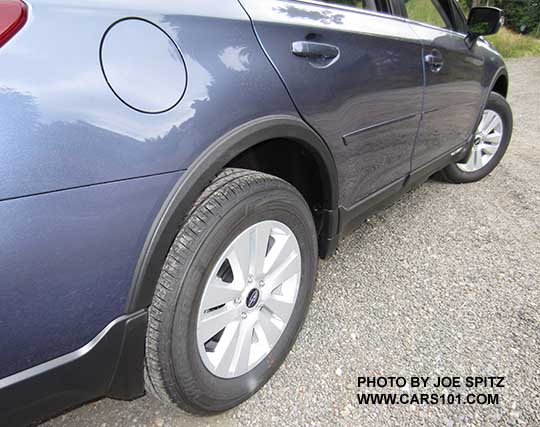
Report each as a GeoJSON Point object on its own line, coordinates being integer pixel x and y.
{"type": "Point", "coordinates": [434, 60]}
{"type": "Point", "coordinates": [305, 49]}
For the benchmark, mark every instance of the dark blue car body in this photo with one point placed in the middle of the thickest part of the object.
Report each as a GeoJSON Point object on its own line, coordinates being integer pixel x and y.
{"type": "Point", "coordinates": [115, 115]}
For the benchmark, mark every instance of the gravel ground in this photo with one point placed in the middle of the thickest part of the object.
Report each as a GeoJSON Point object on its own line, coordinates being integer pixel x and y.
{"type": "Point", "coordinates": [445, 282]}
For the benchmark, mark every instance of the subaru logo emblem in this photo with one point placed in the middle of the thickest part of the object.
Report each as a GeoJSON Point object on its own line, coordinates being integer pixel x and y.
{"type": "Point", "coordinates": [252, 298]}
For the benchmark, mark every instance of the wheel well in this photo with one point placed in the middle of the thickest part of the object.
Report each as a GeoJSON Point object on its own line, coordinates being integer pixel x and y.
{"type": "Point", "coordinates": [501, 86]}
{"type": "Point", "coordinates": [301, 159]}
{"type": "Point", "coordinates": [293, 163]}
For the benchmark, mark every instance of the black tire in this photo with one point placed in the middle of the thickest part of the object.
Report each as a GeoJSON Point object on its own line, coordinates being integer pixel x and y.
{"type": "Point", "coordinates": [235, 200]}
{"type": "Point", "coordinates": [452, 173]}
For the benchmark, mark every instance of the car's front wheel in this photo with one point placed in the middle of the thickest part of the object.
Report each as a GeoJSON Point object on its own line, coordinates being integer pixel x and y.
{"type": "Point", "coordinates": [490, 142]}
{"type": "Point", "coordinates": [233, 293]}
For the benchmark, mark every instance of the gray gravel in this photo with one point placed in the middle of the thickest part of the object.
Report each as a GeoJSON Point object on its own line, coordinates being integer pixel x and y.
{"type": "Point", "coordinates": [445, 282]}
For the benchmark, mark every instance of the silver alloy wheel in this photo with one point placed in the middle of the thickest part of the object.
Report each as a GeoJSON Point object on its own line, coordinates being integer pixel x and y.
{"type": "Point", "coordinates": [248, 299]}
{"type": "Point", "coordinates": [487, 140]}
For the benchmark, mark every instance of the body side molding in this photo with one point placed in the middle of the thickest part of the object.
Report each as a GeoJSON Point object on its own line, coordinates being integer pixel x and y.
{"type": "Point", "coordinates": [351, 218]}
{"type": "Point", "coordinates": [200, 174]}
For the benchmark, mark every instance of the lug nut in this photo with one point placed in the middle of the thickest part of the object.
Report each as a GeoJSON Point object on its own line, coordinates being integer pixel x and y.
{"type": "Point", "coordinates": [250, 278]}
{"type": "Point", "coordinates": [237, 300]}
{"type": "Point", "coordinates": [243, 315]}
{"type": "Point", "coordinates": [261, 283]}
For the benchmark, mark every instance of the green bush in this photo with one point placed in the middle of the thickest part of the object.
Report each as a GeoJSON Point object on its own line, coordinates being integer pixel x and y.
{"type": "Point", "coordinates": [521, 16]}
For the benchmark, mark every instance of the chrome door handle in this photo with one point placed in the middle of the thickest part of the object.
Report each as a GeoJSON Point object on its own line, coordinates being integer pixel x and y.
{"type": "Point", "coordinates": [434, 60]}
{"type": "Point", "coordinates": [305, 49]}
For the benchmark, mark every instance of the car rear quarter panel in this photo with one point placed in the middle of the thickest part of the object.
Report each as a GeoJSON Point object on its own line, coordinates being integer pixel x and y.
{"type": "Point", "coordinates": [83, 175]}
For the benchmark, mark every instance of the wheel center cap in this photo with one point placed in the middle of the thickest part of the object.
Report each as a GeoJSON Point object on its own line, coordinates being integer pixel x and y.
{"type": "Point", "coordinates": [252, 298]}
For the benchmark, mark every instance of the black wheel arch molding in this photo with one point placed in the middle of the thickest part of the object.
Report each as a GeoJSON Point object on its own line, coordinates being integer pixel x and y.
{"type": "Point", "coordinates": [500, 72]}
{"type": "Point", "coordinates": [209, 164]}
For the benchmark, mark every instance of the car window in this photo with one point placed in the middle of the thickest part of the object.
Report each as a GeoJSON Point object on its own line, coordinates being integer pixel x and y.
{"type": "Point", "coordinates": [361, 4]}
{"type": "Point", "coordinates": [459, 12]}
{"type": "Point", "coordinates": [428, 12]}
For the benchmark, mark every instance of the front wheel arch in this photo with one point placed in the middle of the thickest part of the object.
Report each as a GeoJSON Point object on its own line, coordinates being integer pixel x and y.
{"type": "Point", "coordinates": [499, 81]}
{"type": "Point", "coordinates": [501, 85]}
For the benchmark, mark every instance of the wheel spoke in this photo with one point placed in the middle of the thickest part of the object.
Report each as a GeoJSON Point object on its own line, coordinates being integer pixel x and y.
{"type": "Point", "coordinates": [288, 268]}
{"type": "Point", "coordinates": [469, 164]}
{"type": "Point", "coordinates": [215, 321]}
{"type": "Point", "coordinates": [489, 148]}
{"type": "Point", "coordinates": [270, 330]}
{"type": "Point", "coordinates": [482, 124]}
{"type": "Point", "coordinates": [279, 307]}
{"type": "Point", "coordinates": [227, 348]}
{"type": "Point", "coordinates": [239, 259]}
{"type": "Point", "coordinates": [492, 120]}
{"type": "Point", "coordinates": [493, 138]}
{"type": "Point", "coordinates": [263, 345]}
{"type": "Point", "coordinates": [218, 293]}
{"type": "Point", "coordinates": [260, 238]}
{"type": "Point", "coordinates": [283, 248]}
{"type": "Point", "coordinates": [494, 123]}
{"type": "Point", "coordinates": [243, 346]}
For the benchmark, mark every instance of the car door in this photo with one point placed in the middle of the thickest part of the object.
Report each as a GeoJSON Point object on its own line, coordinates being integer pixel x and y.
{"type": "Point", "coordinates": [453, 78]}
{"type": "Point", "coordinates": [355, 77]}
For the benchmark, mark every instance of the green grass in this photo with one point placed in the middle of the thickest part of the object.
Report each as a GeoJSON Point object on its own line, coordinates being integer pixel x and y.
{"type": "Point", "coordinates": [512, 45]}
{"type": "Point", "coordinates": [508, 43]}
